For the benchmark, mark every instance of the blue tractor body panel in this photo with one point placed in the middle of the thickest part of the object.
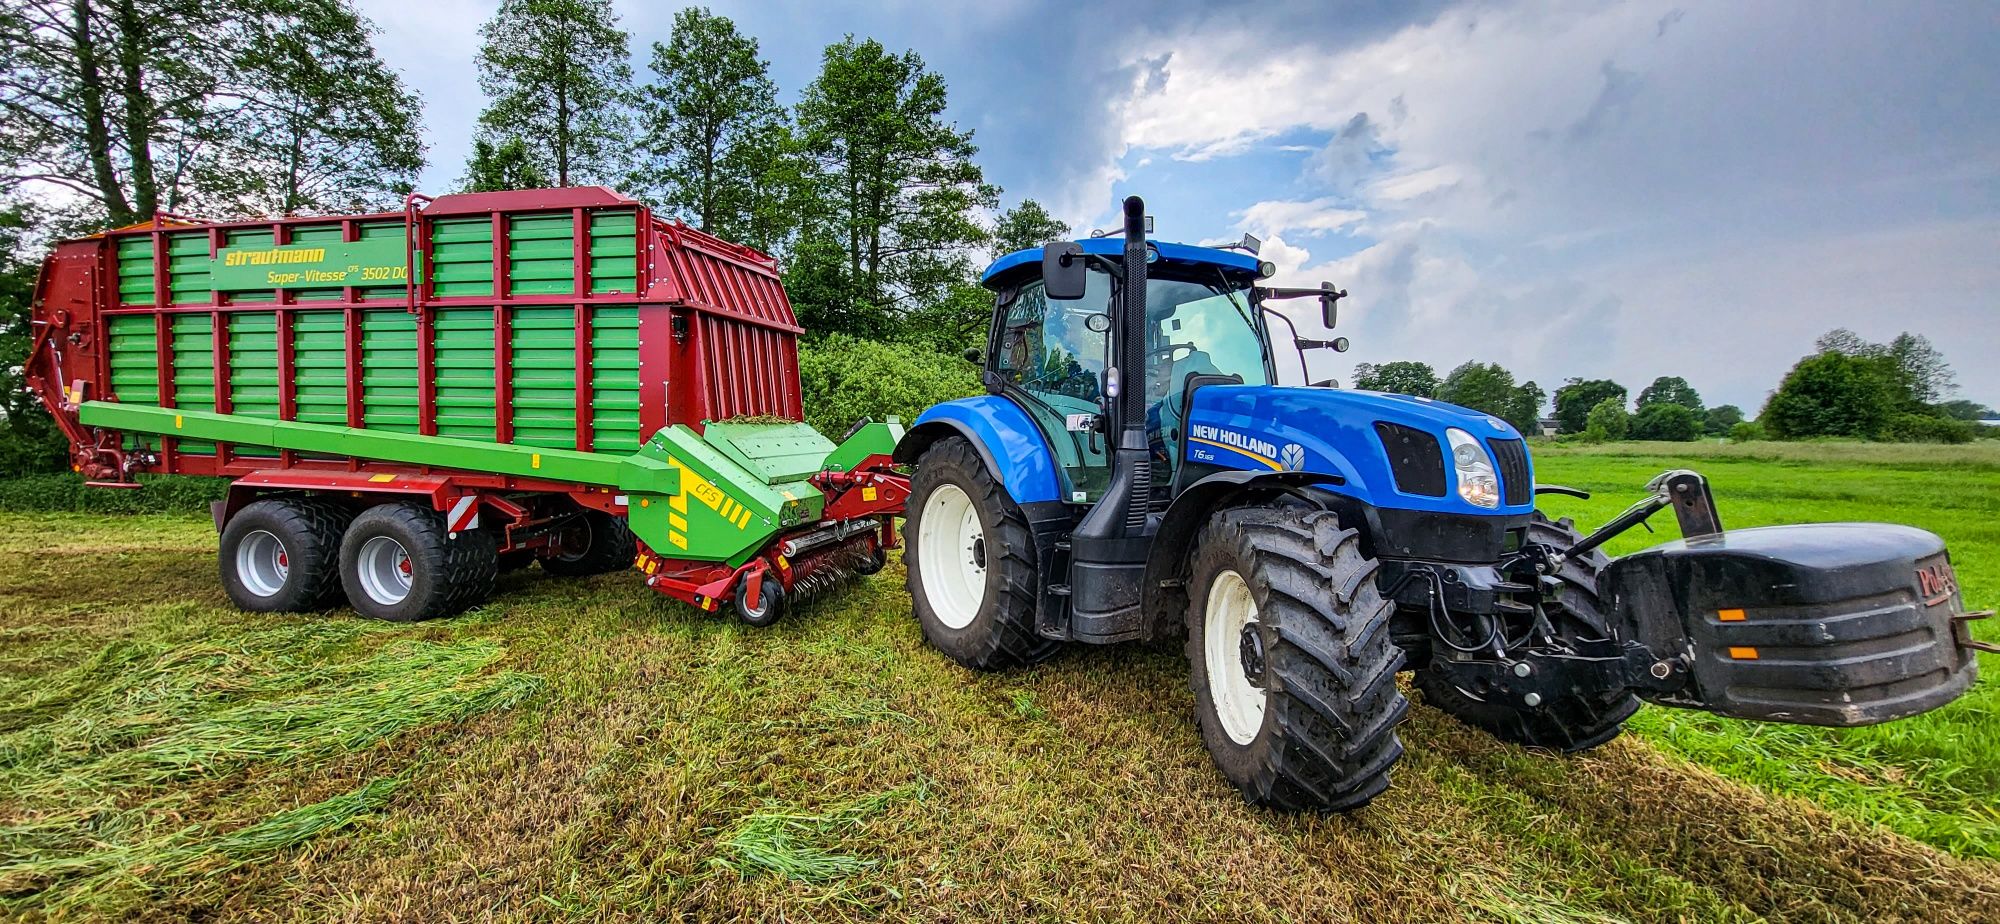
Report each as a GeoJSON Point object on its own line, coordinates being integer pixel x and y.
{"type": "Point", "coordinates": [1325, 430]}
{"type": "Point", "coordinates": [1015, 450]}
{"type": "Point", "coordinates": [1227, 260]}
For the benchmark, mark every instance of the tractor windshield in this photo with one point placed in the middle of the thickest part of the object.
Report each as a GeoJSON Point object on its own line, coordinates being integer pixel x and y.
{"type": "Point", "coordinates": [1195, 327]}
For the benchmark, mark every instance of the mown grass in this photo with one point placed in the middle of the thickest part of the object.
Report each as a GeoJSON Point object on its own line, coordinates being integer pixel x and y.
{"type": "Point", "coordinates": [1935, 777]}
{"type": "Point", "coordinates": [674, 765]}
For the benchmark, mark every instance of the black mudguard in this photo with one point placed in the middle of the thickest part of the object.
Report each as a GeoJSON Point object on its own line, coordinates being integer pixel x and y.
{"type": "Point", "coordinates": [1836, 624]}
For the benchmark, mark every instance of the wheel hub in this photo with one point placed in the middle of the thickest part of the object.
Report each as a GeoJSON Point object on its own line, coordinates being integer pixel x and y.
{"type": "Point", "coordinates": [1253, 656]}
{"type": "Point", "coordinates": [1233, 657]}
{"type": "Point", "coordinates": [951, 555]}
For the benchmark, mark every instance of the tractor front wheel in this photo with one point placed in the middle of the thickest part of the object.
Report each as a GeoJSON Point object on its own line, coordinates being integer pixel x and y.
{"type": "Point", "coordinates": [971, 562]}
{"type": "Point", "coordinates": [1293, 671]}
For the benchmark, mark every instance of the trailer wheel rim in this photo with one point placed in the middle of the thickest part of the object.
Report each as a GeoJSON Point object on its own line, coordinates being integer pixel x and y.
{"type": "Point", "coordinates": [384, 569]}
{"type": "Point", "coordinates": [954, 570]}
{"type": "Point", "coordinates": [1228, 629]}
{"type": "Point", "coordinates": [262, 563]}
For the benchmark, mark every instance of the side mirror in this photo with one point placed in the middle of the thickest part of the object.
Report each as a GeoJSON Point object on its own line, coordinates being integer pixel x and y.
{"type": "Point", "coordinates": [1063, 272]}
{"type": "Point", "coordinates": [975, 357]}
{"type": "Point", "coordinates": [1329, 305]}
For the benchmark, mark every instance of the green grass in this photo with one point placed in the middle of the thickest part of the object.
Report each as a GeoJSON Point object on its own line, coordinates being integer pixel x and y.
{"type": "Point", "coordinates": [583, 750]}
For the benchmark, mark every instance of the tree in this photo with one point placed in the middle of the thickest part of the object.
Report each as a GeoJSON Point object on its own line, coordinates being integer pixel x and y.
{"type": "Point", "coordinates": [1524, 409]}
{"type": "Point", "coordinates": [1665, 421]}
{"type": "Point", "coordinates": [1963, 409]}
{"type": "Point", "coordinates": [1670, 389]}
{"type": "Point", "coordinates": [1607, 421]}
{"type": "Point", "coordinates": [1482, 387]}
{"type": "Point", "coordinates": [707, 116]}
{"type": "Point", "coordinates": [29, 440]}
{"type": "Point", "coordinates": [1404, 377]}
{"type": "Point", "coordinates": [895, 184]}
{"type": "Point", "coordinates": [1923, 371]}
{"type": "Point", "coordinates": [1834, 394]}
{"type": "Point", "coordinates": [505, 165]}
{"type": "Point", "coordinates": [1720, 420]}
{"type": "Point", "coordinates": [557, 76]}
{"type": "Point", "coordinates": [1577, 397]}
{"type": "Point", "coordinates": [1026, 227]}
{"type": "Point", "coordinates": [327, 125]}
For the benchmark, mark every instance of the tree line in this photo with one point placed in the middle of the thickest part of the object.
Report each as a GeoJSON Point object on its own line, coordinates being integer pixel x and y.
{"type": "Point", "coordinates": [1898, 391]}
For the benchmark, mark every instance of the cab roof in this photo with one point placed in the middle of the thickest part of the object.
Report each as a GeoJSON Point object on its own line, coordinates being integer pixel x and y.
{"type": "Point", "coordinates": [1227, 260]}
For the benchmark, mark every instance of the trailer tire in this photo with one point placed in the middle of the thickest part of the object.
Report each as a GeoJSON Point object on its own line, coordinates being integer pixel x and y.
{"type": "Point", "coordinates": [770, 602]}
{"type": "Point", "coordinates": [1580, 719]}
{"type": "Point", "coordinates": [981, 611]}
{"type": "Point", "coordinates": [282, 555]}
{"type": "Point", "coordinates": [398, 563]}
{"type": "Point", "coordinates": [596, 543]}
{"type": "Point", "coordinates": [1286, 598]}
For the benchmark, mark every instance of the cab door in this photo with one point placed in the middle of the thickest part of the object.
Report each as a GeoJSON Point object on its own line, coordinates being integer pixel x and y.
{"type": "Point", "coordinates": [1050, 356]}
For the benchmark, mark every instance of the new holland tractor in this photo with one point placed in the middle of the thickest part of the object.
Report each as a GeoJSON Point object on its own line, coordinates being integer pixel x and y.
{"type": "Point", "coordinates": [1135, 472]}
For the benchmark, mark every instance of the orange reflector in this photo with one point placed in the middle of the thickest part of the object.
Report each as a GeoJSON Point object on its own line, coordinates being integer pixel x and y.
{"type": "Point", "coordinates": [645, 503]}
{"type": "Point", "coordinates": [1743, 653]}
{"type": "Point", "coordinates": [1730, 615]}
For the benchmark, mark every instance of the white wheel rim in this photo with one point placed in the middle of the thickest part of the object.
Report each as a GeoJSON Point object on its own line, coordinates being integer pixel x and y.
{"type": "Point", "coordinates": [953, 565]}
{"type": "Point", "coordinates": [1239, 704]}
{"type": "Point", "coordinates": [262, 563]}
{"type": "Point", "coordinates": [384, 569]}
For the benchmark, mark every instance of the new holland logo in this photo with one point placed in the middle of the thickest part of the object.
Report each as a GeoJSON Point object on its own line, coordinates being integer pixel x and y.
{"type": "Point", "coordinates": [1293, 458]}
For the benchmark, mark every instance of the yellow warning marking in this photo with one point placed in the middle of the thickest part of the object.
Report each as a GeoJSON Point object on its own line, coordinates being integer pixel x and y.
{"type": "Point", "coordinates": [1730, 615]}
{"type": "Point", "coordinates": [177, 421]}
{"type": "Point", "coordinates": [535, 460]}
{"type": "Point", "coordinates": [743, 520]}
{"type": "Point", "coordinates": [1743, 653]}
{"type": "Point", "coordinates": [677, 521]}
{"type": "Point", "coordinates": [678, 540]}
{"type": "Point", "coordinates": [782, 563]}
{"type": "Point", "coordinates": [868, 493]}
{"type": "Point", "coordinates": [382, 479]}
{"type": "Point", "coordinates": [728, 508]}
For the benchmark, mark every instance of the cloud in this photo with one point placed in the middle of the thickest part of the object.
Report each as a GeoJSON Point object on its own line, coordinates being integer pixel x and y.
{"type": "Point", "coordinates": [1267, 219]}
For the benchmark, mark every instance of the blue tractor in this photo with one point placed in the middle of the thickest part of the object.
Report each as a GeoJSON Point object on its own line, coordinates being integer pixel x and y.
{"type": "Point", "coordinates": [1136, 472]}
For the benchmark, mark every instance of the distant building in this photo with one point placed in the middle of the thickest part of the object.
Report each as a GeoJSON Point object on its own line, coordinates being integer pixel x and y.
{"type": "Point", "coordinates": [1550, 426]}
{"type": "Point", "coordinates": [1990, 421]}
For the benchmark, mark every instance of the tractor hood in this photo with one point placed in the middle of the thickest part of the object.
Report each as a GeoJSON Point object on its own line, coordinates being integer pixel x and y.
{"type": "Point", "coordinates": [1390, 450]}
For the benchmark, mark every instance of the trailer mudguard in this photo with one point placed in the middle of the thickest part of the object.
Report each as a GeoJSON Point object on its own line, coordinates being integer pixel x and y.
{"type": "Point", "coordinates": [1003, 434]}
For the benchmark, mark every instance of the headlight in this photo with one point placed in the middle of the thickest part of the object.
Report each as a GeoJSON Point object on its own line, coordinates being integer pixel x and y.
{"type": "Point", "coordinates": [1477, 485]}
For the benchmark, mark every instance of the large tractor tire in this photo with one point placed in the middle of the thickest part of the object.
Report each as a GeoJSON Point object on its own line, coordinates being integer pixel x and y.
{"type": "Point", "coordinates": [971, 562]}
{"type": "Point", "coordinates": [282, 555]}
{"type": "Point", "coordinates": [397, 563]}
{"type": "Point", "coordinates": [1582, 718]}
{"type": "Point", "coordinates": [594, 542]}
{"type": "Point", "coordinates": [1293, 671]}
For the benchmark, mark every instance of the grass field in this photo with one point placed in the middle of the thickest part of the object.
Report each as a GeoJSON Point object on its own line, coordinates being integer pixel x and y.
{"type": "Point", "coordinates": [583, 751]}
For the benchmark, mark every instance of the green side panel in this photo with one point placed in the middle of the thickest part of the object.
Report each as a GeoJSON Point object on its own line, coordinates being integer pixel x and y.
{"type": "Point", "coordinates": [187, 268]}
{"type": "Point", "coordinates": [637, 474]}
{"type": "Point", "coordinates": [463, 357]}
{"type": "Point", "coordinates": [723, 512]}
{"type": "Point", "coordinates": [389, 370]}
{"type": "Point", "coordinates": [772, 452]}
{"type": "Point", "coordinates": [319, 367]}
{"type": "Point", "coordinates": [249, 238]}
{"type": "Point", "coordinates": [375, 231]}
{"type": "Point", "coordinates": [541, 255]}
{"type": "Point", "coordinates": [614, 261]}
{"type": "Point", "coordinates": [462, 256]}
{"type": "Point", "coordinates": [135, 365]}
{"type": "Point", "coordinates": [253, 368]}
{"type": "Point", "coordinates": [614, 379]}
{"type": "Point", "coordinates": [875, 439]}
{"type": "Point", "coordinates": [321, 235]}
{"type": "Point", "coordinates": [544, 343]}
{"type": "Point", "coordinates": [194, 369]}
{"type": "Point", "coordinates": [135, 270]}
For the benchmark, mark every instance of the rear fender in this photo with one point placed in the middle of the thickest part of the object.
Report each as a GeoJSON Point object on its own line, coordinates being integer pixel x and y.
{"type": "Point", "coordinates": [1166, 595]}
{"type": "Point", "coordinates": [1006, 439]}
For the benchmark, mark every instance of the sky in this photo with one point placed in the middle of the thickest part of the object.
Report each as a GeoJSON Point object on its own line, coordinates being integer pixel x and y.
{"type": "Point", "coordinates": [1568, 189]}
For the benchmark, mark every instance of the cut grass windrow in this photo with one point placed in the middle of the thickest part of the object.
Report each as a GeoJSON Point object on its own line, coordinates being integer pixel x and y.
{"type": "Point", "coordinates": [790, 844]}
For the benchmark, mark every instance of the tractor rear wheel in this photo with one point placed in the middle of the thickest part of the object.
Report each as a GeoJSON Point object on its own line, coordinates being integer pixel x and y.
{"type": "Point", "coordinates": [970, 559]}
{"type": "Point", "coordinates": [1293, 671]}
{"type": "Point", "coordinates": [398, 563]}
{"type": "Point", "coordinates": [1583, 717]}
{"type": "Point", "coordinates": [282, 555]}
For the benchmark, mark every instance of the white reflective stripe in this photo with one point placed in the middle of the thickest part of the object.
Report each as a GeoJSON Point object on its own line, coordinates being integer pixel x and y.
{"type": "Point", "coordinates": [621, 500]}
{"type": "Point", "coordinates": [464, 514]}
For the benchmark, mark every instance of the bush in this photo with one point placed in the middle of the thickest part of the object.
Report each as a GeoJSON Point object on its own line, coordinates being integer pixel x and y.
{"type": "Point", "coordinates": [1748, 431]}
{"type": "Point", "coordinates": [1921, 428]}
{"type": "Point", "coordinates": [65, 493]}
{"type": "Point", "coordinates": [845, 379]}
{"type": "Point", "coordinates": [1607, 421]}
{"type": "Point", "coordinates": [1833, 394]}
{"type": "Point", "coordinates": [1673, 423]}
